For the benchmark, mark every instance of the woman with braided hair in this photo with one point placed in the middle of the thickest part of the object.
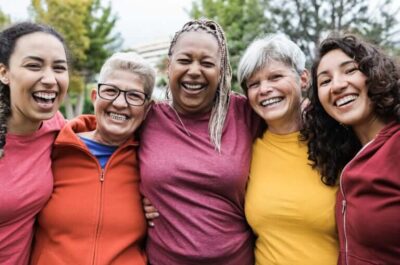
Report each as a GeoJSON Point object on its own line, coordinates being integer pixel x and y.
{"type": "Point", "coordinates": [353, 129]}
{"type": "Point", "coordinates": [33, 81]}
{"type": "Point", "coordinates": [195, 156]}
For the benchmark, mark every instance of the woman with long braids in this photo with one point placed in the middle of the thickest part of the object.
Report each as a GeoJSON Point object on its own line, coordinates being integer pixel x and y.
{"type": "Point", "coordinates": [33, 81]}
{"type": "Point", "coordinates": [353, 129]}
{"type": "Point", "coordinates": [195, 156]}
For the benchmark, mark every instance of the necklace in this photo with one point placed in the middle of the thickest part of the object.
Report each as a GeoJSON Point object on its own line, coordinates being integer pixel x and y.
{"type": "Point", "coordinates": [180, 120]}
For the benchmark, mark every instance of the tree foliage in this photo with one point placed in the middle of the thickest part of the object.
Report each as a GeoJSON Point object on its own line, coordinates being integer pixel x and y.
{"type": "Point", "coordinates": [4, 19]}
{"type": "Point", "coordinates": [308, 22]}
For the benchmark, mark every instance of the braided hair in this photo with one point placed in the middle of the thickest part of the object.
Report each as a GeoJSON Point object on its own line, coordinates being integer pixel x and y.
{"type": "Point", "coordinates": [221, 101]}
{"type": "Point", "coordinates": [8, 40]}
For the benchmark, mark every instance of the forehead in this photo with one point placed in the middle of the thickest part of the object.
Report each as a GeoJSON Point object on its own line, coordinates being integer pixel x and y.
{"type": "Point", "coordinates": [125, 80]}
{"type": "Point", "coordinates": [333, 59]}
{"type": "Point", "coordinates": [39, 44]}
{"type": "Point", "coordinates": [197, 41]}
{"type": "Point", "coordinates": [272, 66]}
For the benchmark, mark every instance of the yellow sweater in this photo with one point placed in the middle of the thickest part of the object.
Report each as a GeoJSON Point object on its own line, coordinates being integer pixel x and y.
{"type": "Point", "coordinates": [288, 207]}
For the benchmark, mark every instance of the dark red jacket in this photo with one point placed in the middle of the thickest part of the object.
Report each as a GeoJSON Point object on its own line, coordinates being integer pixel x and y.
{"type": "Point", "coordinates": [368, 204]}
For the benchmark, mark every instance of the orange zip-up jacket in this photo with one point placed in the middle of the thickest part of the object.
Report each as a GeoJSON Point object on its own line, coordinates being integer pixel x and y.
{"type": "Point", "coordinates": [94, 215]}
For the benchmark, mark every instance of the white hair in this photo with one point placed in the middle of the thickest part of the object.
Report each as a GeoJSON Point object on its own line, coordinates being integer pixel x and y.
{"type": "Point", "coordinates": [130, 62]}
{"type": "Point", "coordinates": [275, 47]}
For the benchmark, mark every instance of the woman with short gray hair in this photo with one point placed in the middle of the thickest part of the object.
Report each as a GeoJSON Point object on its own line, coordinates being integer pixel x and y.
{"type": "Point", "coordinates": [289, 208]}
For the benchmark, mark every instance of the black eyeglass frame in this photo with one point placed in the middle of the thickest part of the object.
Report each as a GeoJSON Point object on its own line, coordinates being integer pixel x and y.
{"type": "Point", "coordinates": [146, 97]}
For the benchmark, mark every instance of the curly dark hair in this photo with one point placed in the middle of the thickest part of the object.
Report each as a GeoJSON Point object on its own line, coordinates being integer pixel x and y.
{"type": "Point", "coordinates": [8, 40]}
{"type": "Point", "coordinates": [330, 144]}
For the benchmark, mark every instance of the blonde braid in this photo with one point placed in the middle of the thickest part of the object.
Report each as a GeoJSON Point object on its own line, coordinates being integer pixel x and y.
{"type": "Point", "coordinates": [221, 101]}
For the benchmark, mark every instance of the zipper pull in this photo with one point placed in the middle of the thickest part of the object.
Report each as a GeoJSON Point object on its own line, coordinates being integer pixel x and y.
{"type": "Point", "coordinates": [343, 206]}
{"type": "Point", "coordinates": [102, 176]}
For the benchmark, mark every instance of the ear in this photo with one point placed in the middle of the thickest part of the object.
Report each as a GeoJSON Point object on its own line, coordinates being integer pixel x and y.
{"type": "Point", "coordinates": [4, 74]}
{"type": "Point", "coordinates": [304, 80]}
{"type": "Point", "coordinates": [93, 95]}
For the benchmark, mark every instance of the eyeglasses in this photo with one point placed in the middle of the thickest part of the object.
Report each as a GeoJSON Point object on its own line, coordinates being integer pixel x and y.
{"type": "Point", "coordinates": [111, 92]}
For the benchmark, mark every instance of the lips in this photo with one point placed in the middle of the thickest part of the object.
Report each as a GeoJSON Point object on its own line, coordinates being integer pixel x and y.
{"type": "Point", "coordinates": [345, 100]}
{"type": "Point", "coordinates": [45, 97]}
{"type": "Point", "coordinates": [193, 86]}
{"type": "Point", "coordinates": [271, 101]}
{"type": "Point", "coordinates": [117, 116]}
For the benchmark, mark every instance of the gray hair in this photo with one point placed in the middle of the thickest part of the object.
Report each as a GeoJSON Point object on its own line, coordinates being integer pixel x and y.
{"type": "Point", "coordinates": [130, 62]}
{"type": "Point", "coordinates": [221, 100]}
{"type": "Point", "coordinates": [275, 47]}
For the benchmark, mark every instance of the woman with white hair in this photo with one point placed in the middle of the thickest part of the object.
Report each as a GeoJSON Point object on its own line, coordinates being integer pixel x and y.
{"type": "Point", "coordinates": [289, 208]}
{"type": "Point", "coordinates": [94, 215]}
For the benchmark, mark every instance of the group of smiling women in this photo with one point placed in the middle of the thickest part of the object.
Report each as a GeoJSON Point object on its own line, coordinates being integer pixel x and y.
{"type": "Point", "coordinates": [302, 169]}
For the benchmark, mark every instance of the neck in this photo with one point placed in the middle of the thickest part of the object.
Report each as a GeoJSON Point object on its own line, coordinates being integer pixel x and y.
{"type": "Point", "coordinates": [98, 137]}
{"type": "Point", "coordinates": [285, 126]}
{"type": "Point", "coordinates": [366, 132]}
{"type": "Point", "coordinates": [22, 127]}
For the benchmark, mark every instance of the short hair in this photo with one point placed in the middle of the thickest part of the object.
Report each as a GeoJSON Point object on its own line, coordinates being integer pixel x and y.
{"type": "Point", "coordinates": [130, 62]}
{"type": "Point", "coordinates": [221, 101]}
{"type": "Point", "coordinates": [275, 47]}
{"type": "Point", "coordinates": [8, 39]}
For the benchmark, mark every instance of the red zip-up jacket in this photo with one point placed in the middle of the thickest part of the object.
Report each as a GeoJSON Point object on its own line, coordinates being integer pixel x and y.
{"type": "Point", "coordinates": [94, 215]}
{"type": "Point", "coordinates": [368, 204]}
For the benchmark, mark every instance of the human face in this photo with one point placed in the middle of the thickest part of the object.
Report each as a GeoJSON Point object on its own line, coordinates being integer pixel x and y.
{"type": "Point", "coordinates": [38, 79]}
{"type": "Point", "coordinates": [342, 90]}
{"type": "Point", "coordinates": [116, 120]}
{"type": "Point", "coordinates": [194, 72]}
{"type": "Point", "coordinates": [274, 93]}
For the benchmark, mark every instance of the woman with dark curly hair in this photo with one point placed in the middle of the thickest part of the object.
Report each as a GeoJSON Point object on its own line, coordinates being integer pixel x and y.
{"type": "Point", "coordinates": [352, 127]}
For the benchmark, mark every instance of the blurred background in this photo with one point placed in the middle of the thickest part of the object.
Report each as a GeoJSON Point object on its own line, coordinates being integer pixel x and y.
{"type": "Point", "coordinates": [94, 29]}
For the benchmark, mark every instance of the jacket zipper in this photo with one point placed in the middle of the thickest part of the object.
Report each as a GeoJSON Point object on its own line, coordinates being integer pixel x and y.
{"type": "Point", "coordinates": [344, 202]}
{"type": "Point", "coordinates": [101, 178]}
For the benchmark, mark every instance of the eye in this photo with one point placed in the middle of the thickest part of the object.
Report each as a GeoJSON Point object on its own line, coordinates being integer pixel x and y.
{"type": "Point", "coordinates": [109, 90]}
{"type": "Point", "coordinates": [208, 64]}
{"type": "Point", "coordinates": [324, 82]}
{"type": "Point", "coordinates": [33, 66]}
{"type": "Point", "coordinates": [351, 70]}
{"type": "Point", "coordinates": [135, 96]}
{"type": "Point", "coordinates": [253, 85]}
{"type": "Point", "coordinates": [276, 77]}
{"type": "Point", "coordinates": [60, 68]}
{"type": "Point", "coordinates": [183, 61]}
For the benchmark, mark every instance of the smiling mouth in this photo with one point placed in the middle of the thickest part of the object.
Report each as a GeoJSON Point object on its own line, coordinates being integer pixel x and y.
{"type": "Point", "coordinates": [345, 100]}
{"type": "Point", "coordinates": [193, 87]}
{"type": "Point", "coordinates": [271, 101]}
{"type": "Point", "coordinates": [44, 97]}
{"type": "Point", "coordinates": [117, 116]}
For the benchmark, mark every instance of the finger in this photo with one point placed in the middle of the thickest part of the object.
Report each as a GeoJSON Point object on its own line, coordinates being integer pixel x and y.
{"type": "Point", "coordinates": [151, 215]}
{"type": "Point", "coordinates": [150, 209]}
{"type": "Point", "coordinates": [150, 223]}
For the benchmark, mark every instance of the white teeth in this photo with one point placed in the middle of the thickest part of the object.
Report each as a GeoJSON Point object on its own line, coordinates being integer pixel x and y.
{"type": "Point", "coordinates": [45, 95]}
{"type": "Point", "coordinates": [116, 116]}
{"type": "Point", "coordinates": [193, 86]}
{"type": "Point", "coordinates": [345, 100]}
{"type": "Point", "coordinates": [271, 101]}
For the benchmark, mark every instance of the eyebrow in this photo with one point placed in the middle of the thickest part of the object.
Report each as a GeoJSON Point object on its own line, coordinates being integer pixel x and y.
{"type": "Point", "coordinates": [36, 58]}
{"type": "Point", "coordinates": [341, 65]}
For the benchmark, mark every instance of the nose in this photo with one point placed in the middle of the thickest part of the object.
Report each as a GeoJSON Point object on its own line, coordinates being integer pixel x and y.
{"type": "Point", "coordinates": [338, 84]}
{"type": "Point", "coordinates": [265, 87]}
{"type": "Point", "coordinates": [120, 101]}
{"type": "Point", "coordinates": [48, 77]}
{"type": "Point", "coordinates": [194, 69]}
